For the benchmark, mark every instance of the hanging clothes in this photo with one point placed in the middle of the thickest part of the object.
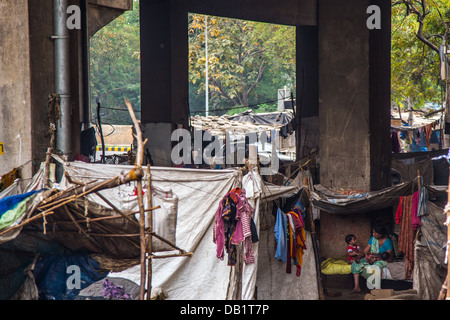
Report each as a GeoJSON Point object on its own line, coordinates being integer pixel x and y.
{"type": "Point", "coordinates": [406, 233]}
{"type": "Point", "coordinates": [396, 148]}
{"type": "Point", "coordinates": [280, 232]}
{"type": "Point", "coordinates": [290, 237]}
{"type": "Point", "coordinates": [297, 242]}
{"type": "Point", "coordinates": [415, 220]}
{"type": "Point", "coordinates": [233, 226]}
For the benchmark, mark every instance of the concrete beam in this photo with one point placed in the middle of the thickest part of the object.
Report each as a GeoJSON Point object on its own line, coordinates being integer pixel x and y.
{"type": "Point", "coordinates": [123, 5]}
{"type": "Point", "coordinates": [102, 12]}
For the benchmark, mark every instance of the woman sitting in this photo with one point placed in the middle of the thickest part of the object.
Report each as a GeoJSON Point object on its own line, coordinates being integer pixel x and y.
{"type": "Point", "coordinates": [378, 243]}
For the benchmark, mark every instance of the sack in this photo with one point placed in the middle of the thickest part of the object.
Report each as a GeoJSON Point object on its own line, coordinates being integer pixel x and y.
{"type": "Point", "coordinates": [335, 266]}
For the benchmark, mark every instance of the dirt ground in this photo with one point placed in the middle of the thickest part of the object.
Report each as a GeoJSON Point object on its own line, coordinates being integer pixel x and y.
{"type": "Point", "coordinates": [339, 287]}
{"type": "Point", "coordinates": [344, 293]}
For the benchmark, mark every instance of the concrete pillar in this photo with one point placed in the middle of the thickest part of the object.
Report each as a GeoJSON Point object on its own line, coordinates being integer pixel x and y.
{"type": "Point", "coordinates": [307, 91]}
{"type": "Point", "coordinates": [15, 94]}
{"type": "Point", "coordinates": [156, 78]}
{"type": "Point", "coordinates": [164, 56]}
{"type": "Point", "coordinates": [354, 112]}
{"type": "Point", "coordinates": [354, 96]}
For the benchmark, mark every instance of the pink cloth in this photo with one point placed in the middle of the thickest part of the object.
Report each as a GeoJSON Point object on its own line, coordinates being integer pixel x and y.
{"type": "Point", "coordinates": [415, 220]}
{"type": "Point", "coordinates": [242, 233]}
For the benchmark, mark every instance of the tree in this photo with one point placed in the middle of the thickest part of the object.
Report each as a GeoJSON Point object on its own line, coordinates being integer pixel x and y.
{"type": "Point", "coordinates": [240, 53]}
{"type": "Point", "coordinates": [115, 67]}
{"type": "Point", "coordinates": [419, 28]}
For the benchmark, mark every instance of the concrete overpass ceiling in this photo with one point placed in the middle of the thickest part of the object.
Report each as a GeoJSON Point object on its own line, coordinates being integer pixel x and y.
{"type": "Point", "coordinates": [288, 12]}
{"type": "Point", "coordinates": [102, 12]}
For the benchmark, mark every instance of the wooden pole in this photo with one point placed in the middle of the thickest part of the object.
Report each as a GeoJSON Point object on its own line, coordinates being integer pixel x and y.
{"type": "Point", "coordinates": [138, 164]}
{"type": "Point", "coordinates": [448, 233]}
{"type": "Point", "coordinates": [150, 229]}
{"type": "Point", "coordinates": [142, 240]}
{"type": "Point", "coordinates": [306, 184]}
{"type": "Point", "coordinates": [133, 175]}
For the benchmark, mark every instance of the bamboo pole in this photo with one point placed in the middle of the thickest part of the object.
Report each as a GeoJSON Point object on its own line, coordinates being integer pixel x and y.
{"type": "Point", "coordinates": [186, 254]}
{"type": "Point", "coordinates": [104, 218]}
{"type": "Point", "coordinates": [448, 232]}
{"type": "Point", "coordinates": [134, 175]}
{"type": "Point", "coordinates": [138, 164]}
{"type": "Point", "coordinates": [42, 214]}
{"type": "Point", "coordinates": [150, 229]}
{"type": "Point", "coordinates": [306, 184]}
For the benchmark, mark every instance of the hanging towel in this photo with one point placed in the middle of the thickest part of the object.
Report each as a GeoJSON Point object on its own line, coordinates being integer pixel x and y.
{"type": "Point", "coordinates": [281, 236]}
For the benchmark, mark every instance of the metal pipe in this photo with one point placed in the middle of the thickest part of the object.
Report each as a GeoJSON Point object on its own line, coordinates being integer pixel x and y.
{"type": "Point", "coordinates": [62, 77]}
{"type": "Point", "coordinates": [86, 114]}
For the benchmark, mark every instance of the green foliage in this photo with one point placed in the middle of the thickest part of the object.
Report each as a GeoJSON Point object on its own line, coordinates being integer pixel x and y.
{"type": "Point", "coordinates": [115, 68]}
{"type": "Point", "coordinates": [415, 67]}
{"type": "Point", "coordinates": [247, 62]}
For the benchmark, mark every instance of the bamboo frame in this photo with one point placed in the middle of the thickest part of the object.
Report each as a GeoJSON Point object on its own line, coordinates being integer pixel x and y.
{"type": "Point", "coordinates": [62, 198]}
{"type": "Point", "coordinates": [146, 235]}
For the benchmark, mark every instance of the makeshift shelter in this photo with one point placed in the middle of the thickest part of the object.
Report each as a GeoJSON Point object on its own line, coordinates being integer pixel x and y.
{"type": "Point", "coordinates": [98, 236]}
{"type": "Point", "coordinates": [95, 221]}
{"type": "Point", "coordinates": [418, 133]}
{"type": "Point", "coordinates": [421, 242]}
{"type": "Point", "coordinates": [283, 123]}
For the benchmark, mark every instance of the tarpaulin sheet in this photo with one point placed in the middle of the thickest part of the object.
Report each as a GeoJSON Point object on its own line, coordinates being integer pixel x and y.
{"type": "Point", "coordinates": [430, 268]}
{"type": "Point", "coordinates": [51, 275]}
{"type": "Point", "coordinates": [336, 203]}
{"type": "Point", "coordinates": [202, 276]}
{"type": "Point", "coordinates": [263, 118]}
{"type": "Point", "coordinates": [124, 197]}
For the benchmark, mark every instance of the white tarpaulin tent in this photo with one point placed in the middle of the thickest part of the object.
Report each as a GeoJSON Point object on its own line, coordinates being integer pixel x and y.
{"type": "Point", "coordinates": [198, 192]}
{"type": "Point", "coordinates": [189, 199]}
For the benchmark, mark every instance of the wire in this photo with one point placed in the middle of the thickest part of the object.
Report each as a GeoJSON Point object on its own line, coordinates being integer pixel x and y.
{"type": "Point", "coordinates": [119, 109]}
{"type": "Point", "coordinates": [240, 107]}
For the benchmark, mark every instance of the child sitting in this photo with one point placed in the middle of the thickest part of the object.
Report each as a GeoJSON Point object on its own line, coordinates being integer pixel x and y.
{"type": "Point", "coordinates": [353, 249]}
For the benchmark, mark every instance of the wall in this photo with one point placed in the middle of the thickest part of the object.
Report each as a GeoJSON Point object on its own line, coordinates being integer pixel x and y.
{"type": "Point", "coordinates": [27, 77]}
{"type": "Point", "coordinates": [334, 228]}
{"type": "Point", "coordinates": [354, 105]}
{"type": "Point", "coordinates": [15, 116]}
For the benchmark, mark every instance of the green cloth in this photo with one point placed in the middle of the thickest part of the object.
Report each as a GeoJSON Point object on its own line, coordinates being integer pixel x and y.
{"type": "Point", "coordinates": [12, 215]}
{"type": "Point", "coordinates": [361, 266]}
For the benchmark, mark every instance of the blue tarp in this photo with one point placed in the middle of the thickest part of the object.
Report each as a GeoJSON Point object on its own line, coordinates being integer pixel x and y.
{"type": "Point", "coordinates": [56, 275]}
{"type": "Point", "coordinates": [10, 202]}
